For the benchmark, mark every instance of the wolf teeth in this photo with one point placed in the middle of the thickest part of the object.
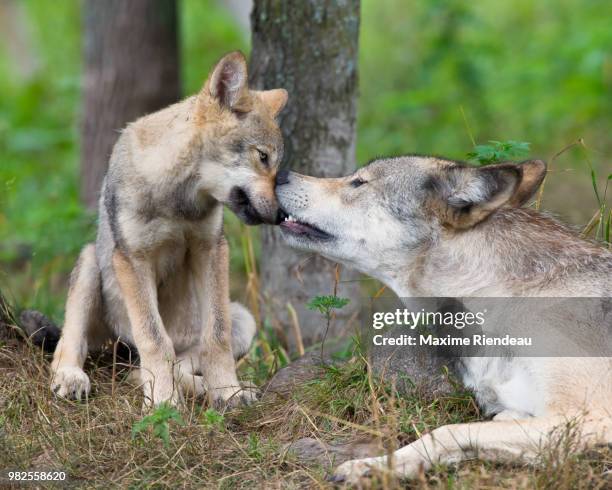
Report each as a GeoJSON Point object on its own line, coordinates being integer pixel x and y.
{"type": "Point", "coordinates": [290, 218]}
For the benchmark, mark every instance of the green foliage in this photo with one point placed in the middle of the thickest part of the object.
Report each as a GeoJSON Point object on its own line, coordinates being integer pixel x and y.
{"type": "Point", "coordinates": [213, 420]}
{"type": "Point", "coordinates": [208, 32]}
{"type": "Point", "coordinates": [325, 304]}
{"type": "Point", "coordinates": [498, 151]}
{"type": "Point", "coordinates": [343, 390]}
{"type": "Point", "coordinates": [538, 71]}
{"type": "Point", "coordinates": [41, 220]}
{"type": "Point", "coordinates": [159, 421]}
{"type": "Point", "coordinates": [254, 449]}
{"type": "Point", "coordinates": [267, 356]}
{"type": "Point", "coordinates": [419, 65]}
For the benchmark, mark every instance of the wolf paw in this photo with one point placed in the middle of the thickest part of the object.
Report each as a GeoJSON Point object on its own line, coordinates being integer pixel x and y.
{"type": "Point", "coordinates": [233, 397]}
{"type": "Point", "coordinates": [158, 393]}
{"type": "Point", "coordinates": [71, 383]}
{"type": "Point", "coordinates": [351, 472]}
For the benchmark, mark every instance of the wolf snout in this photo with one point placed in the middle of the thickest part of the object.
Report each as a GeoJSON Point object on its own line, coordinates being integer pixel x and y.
{"type": "Point", "coordinates": [282, 177]}
{"type": "Point", "coordinates": [253, 208]}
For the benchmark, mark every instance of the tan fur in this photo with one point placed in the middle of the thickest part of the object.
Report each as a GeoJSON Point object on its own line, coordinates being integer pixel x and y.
{"type": "Point", "coordinates": [157, 277]}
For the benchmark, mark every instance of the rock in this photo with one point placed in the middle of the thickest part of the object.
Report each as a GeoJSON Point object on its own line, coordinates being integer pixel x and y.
{"type": "Point", "coordinates": [310, 451]}
{"type": "Point", "coordinates": [411, 368]}
{"type": "Point", "coordinates": [294, 375]}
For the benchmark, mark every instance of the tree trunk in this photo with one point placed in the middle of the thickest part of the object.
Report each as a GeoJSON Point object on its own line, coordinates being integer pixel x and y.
{"type": "Point", "coordinates": [5, 317]}
{"type": "Point", "coordinates": [131, 69]}
{"type": "Point", "coordinates": [308, 47]}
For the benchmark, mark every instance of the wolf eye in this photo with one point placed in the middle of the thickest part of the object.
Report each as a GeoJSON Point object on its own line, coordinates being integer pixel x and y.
{"type": "Point", "coordinates": [263, 157]}
{"type": "Point", "coordinates": [357, 182]}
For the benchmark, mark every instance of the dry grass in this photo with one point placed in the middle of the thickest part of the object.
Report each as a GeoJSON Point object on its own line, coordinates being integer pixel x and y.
{"type": "Point", "coordinates": [94, 441]}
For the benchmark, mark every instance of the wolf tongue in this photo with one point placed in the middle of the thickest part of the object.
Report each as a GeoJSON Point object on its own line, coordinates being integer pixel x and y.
{"type": "Point", "coordinates": [296, 226]}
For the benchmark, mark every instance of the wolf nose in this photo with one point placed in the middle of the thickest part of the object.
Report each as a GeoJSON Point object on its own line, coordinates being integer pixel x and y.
{"type": "Point", "coordinates": [282, 177]}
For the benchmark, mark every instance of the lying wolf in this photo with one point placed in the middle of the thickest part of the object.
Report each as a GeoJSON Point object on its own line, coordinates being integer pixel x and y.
{"type": "Point", "coordinates": [429, 227]}
{"type": "Point", "coordinates": [157, 276]}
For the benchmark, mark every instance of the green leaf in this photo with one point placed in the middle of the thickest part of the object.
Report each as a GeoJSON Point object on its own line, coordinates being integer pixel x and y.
{"type": "Point", "coordinates": [213, 419]}
{"type": "Point", "coordinates": [254, 447]}
{"type": "Point", "coordinates": [324, 304]}
{"type": "Point", "coordinates": [159, 421]}
{"type": "Point", "coordinates": [594, 182]}
{"type": "Point", "coordinates": [498, 151]}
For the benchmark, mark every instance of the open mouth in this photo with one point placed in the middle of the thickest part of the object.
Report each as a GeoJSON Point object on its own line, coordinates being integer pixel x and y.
{"type": "Point", "coordinates": [290, 224]}
{"type": "Point", "coordinates": [241, 205]}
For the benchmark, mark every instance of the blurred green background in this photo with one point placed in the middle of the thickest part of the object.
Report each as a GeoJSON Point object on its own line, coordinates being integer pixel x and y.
{"type": "Point", "coordinates": [435, 76]}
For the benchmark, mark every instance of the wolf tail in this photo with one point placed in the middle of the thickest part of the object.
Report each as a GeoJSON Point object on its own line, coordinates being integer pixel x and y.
{"type": "Point", "coordinates": [243, 329]}
{"type": "Point", "coordinates": [40, 329]}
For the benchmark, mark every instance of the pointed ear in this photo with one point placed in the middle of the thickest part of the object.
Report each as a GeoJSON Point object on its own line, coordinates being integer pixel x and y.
{"type": "Point", "coordinates": [274, 99]}
{"type": "Point", "coordinates": [469, 195]}
{"type": "Point", "coordinates": [532, 176]}
{"type": "Point", "coordinates": [228, 83]}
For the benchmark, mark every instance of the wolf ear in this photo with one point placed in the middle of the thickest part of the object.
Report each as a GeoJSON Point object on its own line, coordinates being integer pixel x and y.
{"type": "Point", "coordinates": [228, 83]}
{"type": "Point", "coordinates": [274, 99]}
{"type": "Point", "coordinates": [532, 176]}
{"type": "Point", "coordinates": [469, 194]}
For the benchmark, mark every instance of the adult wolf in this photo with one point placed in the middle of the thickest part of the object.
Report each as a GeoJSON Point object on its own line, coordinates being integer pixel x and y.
{"type": "Point", "coordinates": [157, 276]}
{"type": "Point", "coordinates": [431, 227]}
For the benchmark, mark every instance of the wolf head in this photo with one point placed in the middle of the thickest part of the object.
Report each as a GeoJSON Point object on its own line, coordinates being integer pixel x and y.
{"type": "Point", "coordinates": [386, 212]}
{"type": "Point", "coordinates": [242, 143]}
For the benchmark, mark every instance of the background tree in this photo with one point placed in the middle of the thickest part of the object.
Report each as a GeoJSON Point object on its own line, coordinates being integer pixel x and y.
{"type": "Point", "coordinates": [310, 48]}
{"type": "Point", "coordinates": [131, 68]}
{"type": "Point", "coordinates": [5, 314]}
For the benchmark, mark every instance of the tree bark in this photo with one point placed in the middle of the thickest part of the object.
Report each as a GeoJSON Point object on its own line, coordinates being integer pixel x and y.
{"type": "Point", "coordinates": [308, 47]}
{"type": "Point", "coordinates": [131, 69]}
{"type": "Point", "coordinates": [5, 316]}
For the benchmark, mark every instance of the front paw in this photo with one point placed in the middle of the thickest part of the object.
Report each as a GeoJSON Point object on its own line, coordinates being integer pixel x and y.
{"type": "Point", "coordinates": [158, 390]}
{"type": "Point", "coordinates": [70, 382]}
{"type": "Point", "coordinates": [234, 396]}
{"type": "Point", "coordinates": [351, 472]}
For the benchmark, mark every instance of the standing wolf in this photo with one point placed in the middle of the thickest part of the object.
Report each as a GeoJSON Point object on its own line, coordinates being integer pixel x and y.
{"type": "Point", "coordinates": [157, 276]}
{"type": "Point", "coordinates": [429, 227]}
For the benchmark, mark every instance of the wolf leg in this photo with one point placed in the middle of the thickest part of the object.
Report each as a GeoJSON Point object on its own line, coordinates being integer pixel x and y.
{"type": "Point", "coordinates": [218, 365]}
{"type": "Point", "coordinates": [83, 314]}
{"type": "Point", "coordinates": [136, 280]}
{"type": "Point", "coordinates": [188, 368]}
{"type": "Point", "coordinates": [189, 382]}
{"type": "Point", "coordinates": [507, 441]}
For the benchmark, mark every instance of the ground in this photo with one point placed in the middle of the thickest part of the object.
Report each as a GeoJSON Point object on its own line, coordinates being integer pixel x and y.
{"type": "Point", "coordinates": [107, 441]}
{"type": "Point", "coordinates": [437, 77]}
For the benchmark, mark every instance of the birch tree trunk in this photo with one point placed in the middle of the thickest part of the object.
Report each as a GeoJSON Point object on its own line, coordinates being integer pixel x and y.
{"type": "Point", "coordinates": [308, 47]}
{"type": "Point", "coordinates": [131, 68]}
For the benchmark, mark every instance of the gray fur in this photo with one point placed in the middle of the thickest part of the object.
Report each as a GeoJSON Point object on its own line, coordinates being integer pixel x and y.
{"type": "Point", "coordinates": [429, 227]}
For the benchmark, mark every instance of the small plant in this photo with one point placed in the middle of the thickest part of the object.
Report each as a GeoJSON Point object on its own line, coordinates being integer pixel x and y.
{"type": "Point", "coordinates": [325, 305]}
{"type": "Point", "coordinates": [159, 421]}
{"type": "Point", "coordinates": [602, 221]}
{"type": "Point", "coordinates": [498, 151]}
{"type": "Point", "coordinates": [212, 420]}
{"type": "Point", "coordinates": [254, 448]}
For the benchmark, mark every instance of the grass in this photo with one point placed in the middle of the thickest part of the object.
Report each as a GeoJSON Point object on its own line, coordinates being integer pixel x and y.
{"type": "Point", "coordinates": [107, 442]}
{"type": "Point", "coordinates": [411, 100]}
